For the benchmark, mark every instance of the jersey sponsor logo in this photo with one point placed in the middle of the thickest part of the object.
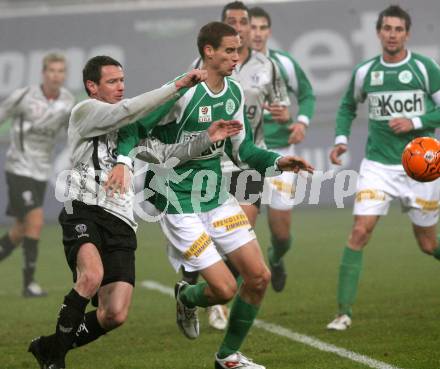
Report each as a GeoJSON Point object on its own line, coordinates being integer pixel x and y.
{"type": "Point", "coordinates": [230, 106]}
{"type": "Point", "coordinates": [216, 149]}
{"type": "Point", "coordinates": [205, 114]}
{"type": "Point", "coordinates": [405, 76]}
{"type": "Point", "coordinates": [386, 105]}
{"type": "Point", "coordinates": [198, 246]}
{"type": "Point", "coordinates": [239, 220]}
{"type": "Point", "coordinates": [376, 78]}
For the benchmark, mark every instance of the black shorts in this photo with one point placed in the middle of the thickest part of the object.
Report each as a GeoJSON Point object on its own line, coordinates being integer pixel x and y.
{"type": "Point", "coordinates": [249, 191]}
{"type": "Point", "coordinates": [24, 194]}
{"type": "Point", "coordinates": [114, 239]}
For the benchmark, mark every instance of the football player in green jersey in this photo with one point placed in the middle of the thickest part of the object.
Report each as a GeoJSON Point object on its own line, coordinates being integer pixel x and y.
{"type": "Point", "coordinates": [402, 89]}
{"type": "Point", "coordinates": [280, 136]}
{"type": "Point", "coordinates": [201, 220]}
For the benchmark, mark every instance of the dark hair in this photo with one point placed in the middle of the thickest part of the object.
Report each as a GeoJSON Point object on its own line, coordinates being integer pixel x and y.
{"type": "Point", "coordinates": [235, 5]}
{"type": "Point", "coordinates": [394, 11]}
{"type": "Point", "coordinates": [258, 12]}
{"type": "Point", "coordinates": [92, 69]}
{"type": "Point", "coordinates": [212, 34]}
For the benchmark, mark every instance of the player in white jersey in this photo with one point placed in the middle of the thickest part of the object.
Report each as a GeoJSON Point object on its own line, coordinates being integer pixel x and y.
{"type": "Point", "coordinates": [99, 230]}
{"type": "Point", "coordinates": [263, 87]}
{"type": "Point", "coordinates": [280, 137]}
{"type": "Point", "coordinates": [38, 113]}
{"type": "Point", "coordinates": [402, 89]}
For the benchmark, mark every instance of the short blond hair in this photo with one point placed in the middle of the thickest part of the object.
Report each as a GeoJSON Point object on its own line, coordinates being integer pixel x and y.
{"type": "Point", "coordinates": [52, 58]}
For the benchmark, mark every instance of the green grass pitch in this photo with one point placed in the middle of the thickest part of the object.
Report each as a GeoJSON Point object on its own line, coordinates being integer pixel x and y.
{"type": "Point", "coordinates": [396, 316]}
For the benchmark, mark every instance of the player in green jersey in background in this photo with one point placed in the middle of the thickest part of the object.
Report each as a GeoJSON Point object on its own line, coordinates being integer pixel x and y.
{"type": "Point", "coordinates": [279, 137]}
{"type": "Point", "coordinates": [402, 89]}
{"type": "Point", "coordinates": [201, 220]}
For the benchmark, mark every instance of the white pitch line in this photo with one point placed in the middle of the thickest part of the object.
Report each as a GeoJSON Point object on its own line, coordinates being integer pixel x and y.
{"type": "Point", "coordinates": [294, 336]}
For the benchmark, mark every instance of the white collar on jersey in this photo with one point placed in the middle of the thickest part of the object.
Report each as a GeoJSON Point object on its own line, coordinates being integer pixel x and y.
{"type": "Point", "coordinates": [393, 65]}
{"type": "Point", "coordinates": [221, 93]}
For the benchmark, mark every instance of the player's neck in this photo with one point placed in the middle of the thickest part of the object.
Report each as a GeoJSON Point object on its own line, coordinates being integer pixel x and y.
{"type": "Point", "coordinates": [243, 54]}
{"type": "Point", "coordinates": [50, 93]}
{"type": "Point", "coordinates": [215, 82]}
{"type": "Point", "coordinates": [395, 58]}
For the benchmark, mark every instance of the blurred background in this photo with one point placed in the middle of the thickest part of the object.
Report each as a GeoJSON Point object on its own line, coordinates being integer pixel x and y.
{"type": "Point", "coordinates": [156, 41]}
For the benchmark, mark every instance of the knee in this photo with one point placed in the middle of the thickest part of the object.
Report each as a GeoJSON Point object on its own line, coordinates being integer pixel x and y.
{"type": "Point", "coordinates": [427, 246]}
{"type": "Point", "coordinates": [225, 292]}
{"type": "Point", "coordinates": [34, 225]}
{"type": "Point", "coordinates": [89, 281]}
{"type": "Point", "coordinates": [258, 283]}
{"type": "Point", "coordinates": [359, 236]}
{"type": "Point", "coordinates": [113, 317]}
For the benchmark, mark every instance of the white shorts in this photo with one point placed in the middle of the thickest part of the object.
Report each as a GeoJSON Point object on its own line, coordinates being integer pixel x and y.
{"type": "Point", "coordinates": [279, 191]}
{"type": "Point", "coordinates": [197, 241]}
{"type": "Point", "coordinates": [378, 184]}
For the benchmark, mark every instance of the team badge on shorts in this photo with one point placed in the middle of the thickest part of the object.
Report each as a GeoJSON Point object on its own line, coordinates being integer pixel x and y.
{"type": "Point", "coordinates": [27, 198]}
{"type": "Point", "coordinates": [230, 106]}
{"type": "Point", "coordinates": [81, 229]}
{"type": "Point", "coordinates": [205, 114]}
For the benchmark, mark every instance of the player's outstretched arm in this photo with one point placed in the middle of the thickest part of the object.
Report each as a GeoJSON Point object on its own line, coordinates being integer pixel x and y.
{"type": "Point", "coordinates": [294, 164]}
{"type": "Point", "coordinates": [336, 152]}
{"type": "Point", "coordinates": [191, 78]}
{"type": "Point", "coordinates": [154, 151]}
{"type": "Point", "coordinates": [222, 129]}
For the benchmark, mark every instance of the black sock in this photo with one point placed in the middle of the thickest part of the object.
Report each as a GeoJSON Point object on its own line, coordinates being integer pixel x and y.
{"type": "Point", "coordinates": [190, 277]}
{"type": "Point", "coordinates": [89, 330]}
{"type": "Point", "coordinates": [6, 246]}
{"type": "Point", "coordinates": [30, 254]}
{"type": "Point", "coordinates": [70, 317]}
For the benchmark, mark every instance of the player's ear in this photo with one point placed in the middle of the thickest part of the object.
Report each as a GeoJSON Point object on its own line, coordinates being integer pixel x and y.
{"type": "Point", "coordinates": [209, 51]}
{"type": "Point", "coordinates": [92, 87]}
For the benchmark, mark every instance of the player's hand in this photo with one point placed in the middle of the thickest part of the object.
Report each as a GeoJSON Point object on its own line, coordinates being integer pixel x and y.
{"type": "Point", "coordinates": [221, 129]}
{"type": "Point", "coordinates": [298, 132]}
{"type": "Point", "coordinates": [280, 113]}
{"type": "Point", "coordinates": [294, 164]}
{"type": "Point", "coordinates": [336, 152]}
{"type": "Point", "coordinates": [190, 79]}
{"type": "Point", "coordinates": [401, 125]}
{"type": "Point", "coordinates": [118, 181]}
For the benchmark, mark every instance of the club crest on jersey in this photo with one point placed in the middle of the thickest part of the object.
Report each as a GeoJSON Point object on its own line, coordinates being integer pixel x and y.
{"type": "Point", "coordinates": [230, 106]}
{"type": "Point", "coordinates": [405, 76]}
{"type": "Point", "coordinates": [205, 114]}
{"type": "Point", "coordinates": [376, 78]}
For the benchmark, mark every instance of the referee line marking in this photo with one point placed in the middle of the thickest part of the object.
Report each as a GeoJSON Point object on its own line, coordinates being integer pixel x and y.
{"type": "Point", "coordinates": [294, 336]}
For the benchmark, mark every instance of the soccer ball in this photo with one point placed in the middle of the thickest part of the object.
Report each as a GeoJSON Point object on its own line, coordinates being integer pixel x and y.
{"type": "Point", "coordinates": [421, 159]}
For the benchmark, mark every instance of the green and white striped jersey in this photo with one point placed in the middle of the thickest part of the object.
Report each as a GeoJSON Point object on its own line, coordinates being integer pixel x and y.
{"type": "Point", "coordinates": [276, 134]}
{"type": "Point", "coordinates": [409, 89]}
{"type": "Point", "coordinates": [197, 185]}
